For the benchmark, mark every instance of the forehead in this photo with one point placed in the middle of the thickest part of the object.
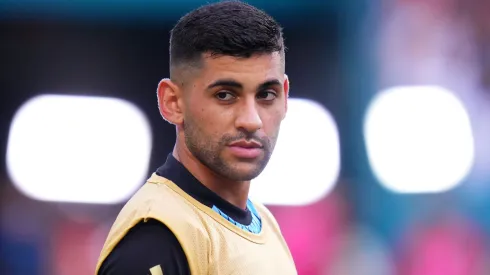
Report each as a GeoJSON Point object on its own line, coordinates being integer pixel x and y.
{"type": "Point", "coordinates": [253, 69]}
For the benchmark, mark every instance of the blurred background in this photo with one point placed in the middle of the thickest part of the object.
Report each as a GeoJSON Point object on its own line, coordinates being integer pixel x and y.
{"type": "Point", "coordinates": [382, 167]}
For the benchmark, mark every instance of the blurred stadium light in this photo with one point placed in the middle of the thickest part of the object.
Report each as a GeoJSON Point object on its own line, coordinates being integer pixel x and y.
{"type": "Point", "coordinates": [306, 161]}
{"type": "Point", "coordinates": [78, 149]}
{"type": "Point", "coordinates": [419, 139]}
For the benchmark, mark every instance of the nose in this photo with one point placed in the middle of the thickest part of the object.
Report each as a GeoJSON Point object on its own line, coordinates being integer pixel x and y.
{"type": "Point", "coordinates": [248, 117]}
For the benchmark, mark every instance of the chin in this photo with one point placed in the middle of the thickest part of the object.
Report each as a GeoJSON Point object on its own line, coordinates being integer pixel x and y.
{"type": "Point", "coordinates": [245, 173]}
{"type": "Point", "coordinates": [240, 169]}
{"type": "Point", "coordinates": [242, 177]}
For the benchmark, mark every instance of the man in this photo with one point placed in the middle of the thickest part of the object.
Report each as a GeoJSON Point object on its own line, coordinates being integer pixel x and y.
{"type": "Point", "coordinates": [227, 95]}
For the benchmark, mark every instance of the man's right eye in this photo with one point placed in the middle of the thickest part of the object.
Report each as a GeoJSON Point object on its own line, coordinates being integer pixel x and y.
{"type": "Point", "coordinates": [225, 96]}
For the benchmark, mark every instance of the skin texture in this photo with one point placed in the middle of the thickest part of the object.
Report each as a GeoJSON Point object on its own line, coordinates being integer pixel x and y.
{"type": "Point", "coordinates": [225, 100]}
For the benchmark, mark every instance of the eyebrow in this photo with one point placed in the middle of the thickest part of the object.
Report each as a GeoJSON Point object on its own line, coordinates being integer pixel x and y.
{"type": "Point", "coordinates": [269, 83]}
{"type": "Point", "coordinates": [226, 83]}
{"type": "Point", "coordinates": [235, 84]}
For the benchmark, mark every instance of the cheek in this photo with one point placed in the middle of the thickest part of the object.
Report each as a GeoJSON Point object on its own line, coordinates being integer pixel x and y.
{"type": "Point", "coordinates": [272, 122]}
{"type": "Point", "coordinates": [207, 121]}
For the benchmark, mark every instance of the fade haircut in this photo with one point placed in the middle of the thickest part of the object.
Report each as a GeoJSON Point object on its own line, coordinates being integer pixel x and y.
{"type": "Point", "coordinates": [229, 28]}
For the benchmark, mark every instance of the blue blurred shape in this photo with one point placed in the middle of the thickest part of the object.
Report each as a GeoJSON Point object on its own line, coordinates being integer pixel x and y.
{"type": "Point", "coordinates": [18, 257]}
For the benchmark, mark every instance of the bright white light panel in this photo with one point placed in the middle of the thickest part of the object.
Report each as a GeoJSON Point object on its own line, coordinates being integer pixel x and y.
{"type": "Point", "coordinates": [419, 139]}
{"type": "Point", "coordinates": [78, 149]}
{"type": "Point", "coordinates": [305, 164]}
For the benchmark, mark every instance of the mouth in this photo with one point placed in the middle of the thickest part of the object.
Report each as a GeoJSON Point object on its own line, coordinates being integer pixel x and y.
{"type": "Point", "coordinates": [246, 144]}
{"type": "Point", "coordinates": [246, 149]}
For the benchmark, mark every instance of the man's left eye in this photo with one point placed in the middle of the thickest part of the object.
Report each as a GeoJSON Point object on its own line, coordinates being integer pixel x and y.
{"type": "Point", "coordinates": [266, 95]}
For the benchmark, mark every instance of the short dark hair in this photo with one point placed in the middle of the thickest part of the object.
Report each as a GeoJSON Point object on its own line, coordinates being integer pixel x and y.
{"type": "Point", "coordinates": [230, 28]}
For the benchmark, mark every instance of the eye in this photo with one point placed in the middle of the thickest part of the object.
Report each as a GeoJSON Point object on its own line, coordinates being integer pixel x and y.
{"type": "Point", "coordinates": [225, 96]}
{"type": "Point", "coordinates": [266, 95]}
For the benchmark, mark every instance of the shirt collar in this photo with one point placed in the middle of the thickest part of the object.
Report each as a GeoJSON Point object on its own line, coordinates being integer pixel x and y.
{"type": "Point", "coordinates": [174, 171]}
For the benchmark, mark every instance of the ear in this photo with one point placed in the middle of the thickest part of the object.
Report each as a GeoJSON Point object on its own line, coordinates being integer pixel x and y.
{"type": "Point", "coordinates": [286, 92]}
{"type": "Point", "coordinates": [169, 101]}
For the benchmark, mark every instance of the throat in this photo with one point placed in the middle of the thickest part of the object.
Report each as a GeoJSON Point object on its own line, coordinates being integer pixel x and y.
{"type": "Point", "coordinates": [233, 192]}
{"type": "Point", "coordinates": [236, 193]}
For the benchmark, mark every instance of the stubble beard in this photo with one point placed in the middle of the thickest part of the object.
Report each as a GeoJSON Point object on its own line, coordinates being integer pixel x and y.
{"type": "Point", "coordinates": [209, 153]}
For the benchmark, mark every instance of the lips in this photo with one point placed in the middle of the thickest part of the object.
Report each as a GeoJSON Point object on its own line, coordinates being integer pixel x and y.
{"type": "Point", "coordinates": [246, 144]}
{"type": "Point", "coordinates": [246, 149]}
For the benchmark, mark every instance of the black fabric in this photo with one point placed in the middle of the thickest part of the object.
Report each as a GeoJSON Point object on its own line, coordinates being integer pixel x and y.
{"type": "Point", "coordinates": [152, 243]}
{"type": "Point", "coordinates": [146, 245]}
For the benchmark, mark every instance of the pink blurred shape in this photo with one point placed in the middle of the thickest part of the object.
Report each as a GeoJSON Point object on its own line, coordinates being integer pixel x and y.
{"type": "Point", "coordinates": [74, 247]}
{"type": "Point", "coordinates": [312, 232]}
{"type": "Point", "coordinates": [451, 247]}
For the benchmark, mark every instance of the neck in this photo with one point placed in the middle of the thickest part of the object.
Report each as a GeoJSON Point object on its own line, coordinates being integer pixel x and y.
{"type": "Point", "coordinates": [234, 192]}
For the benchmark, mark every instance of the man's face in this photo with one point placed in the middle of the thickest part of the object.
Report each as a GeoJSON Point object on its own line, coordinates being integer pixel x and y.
{"type": "Point", "coordinates": [233, 111]}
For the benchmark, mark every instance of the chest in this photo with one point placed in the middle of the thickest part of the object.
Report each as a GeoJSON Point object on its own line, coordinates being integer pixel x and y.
{"type": "Point", "coordinates": [234, 255]}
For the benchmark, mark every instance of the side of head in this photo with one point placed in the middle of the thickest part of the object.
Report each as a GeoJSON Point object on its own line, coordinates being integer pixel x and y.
{"type": "Point", "coordinates": [227, 92]}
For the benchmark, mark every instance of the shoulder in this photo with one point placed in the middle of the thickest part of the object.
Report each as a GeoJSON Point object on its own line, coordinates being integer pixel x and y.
{"type": "Point", "coordinates": [148, 245]}
{"type": "Point", "coordinates": [156, 215]}
{"type": "Point", "coordinates": [173, 209]}
{"type": "Point", "coordinates": [159, 201]}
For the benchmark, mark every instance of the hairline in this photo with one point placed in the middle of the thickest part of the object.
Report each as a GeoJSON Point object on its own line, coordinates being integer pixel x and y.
{"type": "Point", "coordinates": [179, 72]}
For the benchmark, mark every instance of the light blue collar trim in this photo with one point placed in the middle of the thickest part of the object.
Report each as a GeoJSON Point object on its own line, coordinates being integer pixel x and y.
{"type": "Point", "coordinates": [254, 227]}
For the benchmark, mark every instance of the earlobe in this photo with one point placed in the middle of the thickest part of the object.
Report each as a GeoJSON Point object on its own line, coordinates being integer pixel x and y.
{"type": "Point", "coordinates": [168, 101]}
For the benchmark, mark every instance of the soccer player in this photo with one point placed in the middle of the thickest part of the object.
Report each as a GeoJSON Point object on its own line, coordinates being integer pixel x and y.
{"type": "Point", "coordinates": [227, 95]}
